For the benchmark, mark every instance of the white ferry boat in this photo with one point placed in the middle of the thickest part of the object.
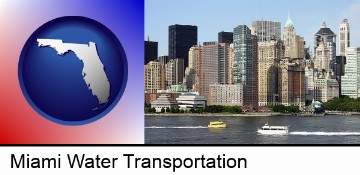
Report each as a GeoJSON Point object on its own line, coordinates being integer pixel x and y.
{"type": "Point", "coordinates": [266, 129]}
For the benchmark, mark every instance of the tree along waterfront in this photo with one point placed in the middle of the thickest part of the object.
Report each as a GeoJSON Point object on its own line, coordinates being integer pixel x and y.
{"type": "Point", "coordinates": [343, 103]}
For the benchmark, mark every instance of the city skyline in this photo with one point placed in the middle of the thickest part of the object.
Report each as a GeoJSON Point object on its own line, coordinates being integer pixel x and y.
{"type": "Point", "coordinates": [160, 14]}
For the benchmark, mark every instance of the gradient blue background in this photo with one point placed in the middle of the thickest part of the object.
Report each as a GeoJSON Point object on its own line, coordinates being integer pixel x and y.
{"type": "Point", "coordinates": [19, 123]}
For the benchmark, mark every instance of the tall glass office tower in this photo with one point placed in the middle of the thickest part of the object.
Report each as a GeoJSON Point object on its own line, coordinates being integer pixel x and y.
{"type": "Point", "coordinates": [243, 68]}
{"type": "Point", "coordinates": [181, 39]}
{"type": "Point", "coordinates": [242, 55]}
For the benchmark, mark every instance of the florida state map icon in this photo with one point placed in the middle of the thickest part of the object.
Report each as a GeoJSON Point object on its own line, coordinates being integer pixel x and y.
{"type": "Point", "coordinates": [72, 70]}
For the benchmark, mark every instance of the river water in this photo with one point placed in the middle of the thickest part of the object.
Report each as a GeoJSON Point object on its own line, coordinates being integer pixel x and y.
{"type": "Point", "coordinates": [329, 129]}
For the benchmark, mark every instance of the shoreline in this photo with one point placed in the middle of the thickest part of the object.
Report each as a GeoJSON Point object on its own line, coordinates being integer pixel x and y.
{"type": "Point", "coordinates": [249, 114]}
{"type": "Point", "coordinates": [265, 114]}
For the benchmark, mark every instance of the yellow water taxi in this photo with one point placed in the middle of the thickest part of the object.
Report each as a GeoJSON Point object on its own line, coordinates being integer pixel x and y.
{"type": "Point", "coordinates": [217, 124]}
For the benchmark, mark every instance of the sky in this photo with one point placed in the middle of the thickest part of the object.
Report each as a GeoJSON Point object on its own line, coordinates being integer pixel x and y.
{"type": "Point", "coordinates": [213, 16]}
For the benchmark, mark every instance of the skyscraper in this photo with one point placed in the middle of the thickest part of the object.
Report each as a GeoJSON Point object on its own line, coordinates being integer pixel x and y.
{"type": "Point", "coordinates": [289, 38]}
{"type": "Point", "coordinates": [292, 82]}
{"type": "Point", "coordinates": [266, 30]}
{"type": "Point", "coordinates": [285, 82]}
{"type": "Point", "coordinates": [181, 39]}
{"type": "Point", "coordinates": [350, 82]}
{"type": "Point", "coordinates": [294, 44]}
{"type": "Point", "coordinates": [242, 55]}
{"type": "Point", "coordinates": [309, 83]}
{"type": "Point", "coordinates": [270, 53]}
{"type": "Point", "coordinates": [225, 37]}
{"type": "Point", "coordinates": [231, 65]}
{"type": "Point", "coordinates": [192, 71]}
{"type": "Point", "coordinates": [163, 60]}
{"type": "Point", "coordinates": [223, 58]}
{"type": "Point", "coordinates": [214, 65]}
{"type": "Point", "coordinates": [340, 69]}
{"type": "Point", "coordinates": [344, 37]}
{"type": "Point", "coordinates": [325, 88]}
{"type": "Point", "coordinates": [174, 72]}
{"type": "Point", "coordinates": [151, 51]}
{"type": "Point", "coordinates": [254, 93]}
{"type": "Point", "coordinates": [243, 72]}
{"type": "Point", "coordinates": [325, 49]}
{"type": "Point", "coordinates": [323, 58]}
{"type": "Point", "coordinates": [152, 77]}
{"type": "Point", "coordinates": [300, 51]}
{"type": "Point", "coordinates": [208, 68]}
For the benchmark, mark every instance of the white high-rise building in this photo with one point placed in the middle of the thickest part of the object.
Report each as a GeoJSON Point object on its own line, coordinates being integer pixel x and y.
{"type": "Point", "coordinates": [344, 37]}
{"type": "Point", "coordinates": [350, 82]}
{"type": "Point", "coordinates": [191, 78]}
{"type": "Point", "coordinates": [325, 88]}
{"type": "Point", "coordinates": [174, 72]}
{"type": "Point", "coordinates": [152, 76]}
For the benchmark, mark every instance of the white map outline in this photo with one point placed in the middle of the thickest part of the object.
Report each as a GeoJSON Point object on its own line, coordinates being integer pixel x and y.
{"type": "Point", "coordinates": [93, 71]}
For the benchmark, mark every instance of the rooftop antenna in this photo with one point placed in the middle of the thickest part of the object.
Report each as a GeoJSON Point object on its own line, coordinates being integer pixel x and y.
{"type": "Point", "coordinates": [262, 28]}
{"type": "Point", "coordinates": [324, 24]}
{"type": "Point", "coordinates": [148, 38]}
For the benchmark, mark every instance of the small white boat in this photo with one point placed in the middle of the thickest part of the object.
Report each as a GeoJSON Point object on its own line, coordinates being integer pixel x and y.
{"type": "Point", "coordinates": [267, 129]}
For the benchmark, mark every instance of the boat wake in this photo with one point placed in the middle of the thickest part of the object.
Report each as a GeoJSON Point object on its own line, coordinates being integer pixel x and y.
{"type": "Point", "coordinates": [174, 127]}
{"type": "Point", "coordinates": [326, 133]}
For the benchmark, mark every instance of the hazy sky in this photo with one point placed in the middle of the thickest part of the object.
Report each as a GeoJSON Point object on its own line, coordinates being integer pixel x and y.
{"type": "Point", "coordinates": [213, 16]}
